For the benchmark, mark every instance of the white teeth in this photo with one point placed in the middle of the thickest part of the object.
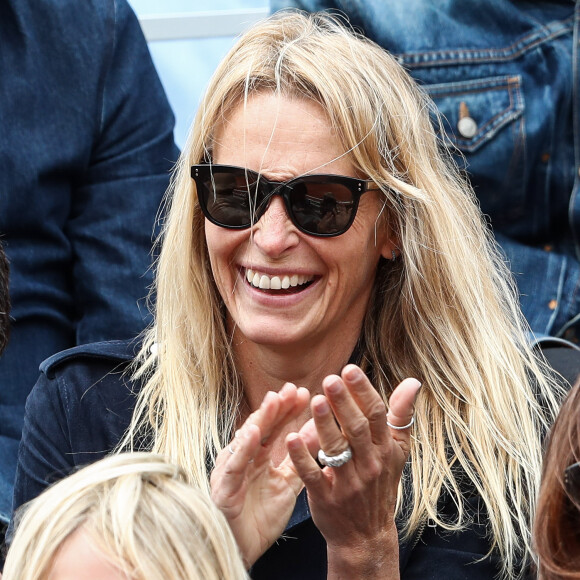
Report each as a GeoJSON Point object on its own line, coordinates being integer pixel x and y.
{"type": "Point", "coordinates": [264, 282]}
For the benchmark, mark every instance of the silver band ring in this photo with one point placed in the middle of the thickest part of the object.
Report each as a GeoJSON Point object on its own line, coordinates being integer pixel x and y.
{"type": "Point", "coordinates": [335, 460]}
{"type": "Point", "coordinates": [409, 424]}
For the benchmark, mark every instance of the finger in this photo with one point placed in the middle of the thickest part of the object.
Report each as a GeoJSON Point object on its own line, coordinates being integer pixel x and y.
{"type": "Point", "coordinates": [294, 401]}
{"type": "Point", "coordinates": [353, 422]}
{"type": "Point", "coordinates": [305, 466]}
{"type": "Point", "coordinates": [401, 408]}
{"type": "Point", "coordinates": [332, 440]}
{"type": "Point", "coordinates": [368, 400]}
{"type": "Point", "coordinates": [228, 477]}
{"type": "Point", "coordinates": [273, 410]}
{"type": "Point", "coordinates": [265, 413]}
{"type": "Point", "coordinates": [274, 414]}
{"type": "Point", "coordinates": [309, 435]}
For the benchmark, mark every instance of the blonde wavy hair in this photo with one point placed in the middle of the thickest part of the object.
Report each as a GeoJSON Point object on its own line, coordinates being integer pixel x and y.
{"type": "Point", "coordinates": [141, 514]}
{"type": "Point", "coordinates": [446, 312]}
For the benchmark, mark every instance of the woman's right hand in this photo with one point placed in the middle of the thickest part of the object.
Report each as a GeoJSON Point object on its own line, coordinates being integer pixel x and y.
{"type": "Point", "coordinates": [256, 496]}
{"type": "Point", "coordinates": [353, 504]}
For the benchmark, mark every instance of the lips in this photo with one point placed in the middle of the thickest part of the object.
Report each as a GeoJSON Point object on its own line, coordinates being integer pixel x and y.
{"type": "Point", "coordinates": [279, 282]}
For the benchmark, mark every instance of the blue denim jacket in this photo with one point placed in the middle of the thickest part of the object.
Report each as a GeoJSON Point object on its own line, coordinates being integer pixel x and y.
{"type": "Point", "coordinates": [80, 408]}
{"type": "Point", "coordinates": [506, 77]}
{"type": "Point", "coordinates": [86, 146]}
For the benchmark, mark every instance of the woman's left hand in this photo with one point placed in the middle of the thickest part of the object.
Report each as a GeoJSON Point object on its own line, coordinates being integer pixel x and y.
{"type": "Point", "coordinates": [353, 505]}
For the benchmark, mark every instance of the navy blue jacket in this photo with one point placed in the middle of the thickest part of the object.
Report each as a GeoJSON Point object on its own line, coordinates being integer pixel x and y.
{"type": "Point", "coordinates": [80, 408]}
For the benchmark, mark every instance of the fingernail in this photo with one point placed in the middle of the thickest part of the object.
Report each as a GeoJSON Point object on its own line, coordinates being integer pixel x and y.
{"type": "Point", "coordinates": [293, 441]}
{"type": "Point", "coordinates": [352, 373]}
{"type": "Point", "coordinates": [418, 384]}
{"type": "Point", "coordinates": [320, 406]}
{"type": "Point", "coordinates": [332, 384]}
{"type": "Point", "coordinates": [287, 387]}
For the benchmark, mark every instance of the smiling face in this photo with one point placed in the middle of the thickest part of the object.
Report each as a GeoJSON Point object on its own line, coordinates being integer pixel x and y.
{"type": "Point", "coordinates": [280, 286]}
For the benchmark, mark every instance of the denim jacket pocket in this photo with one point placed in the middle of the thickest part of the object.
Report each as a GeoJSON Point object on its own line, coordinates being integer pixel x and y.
{"type": "Point", "coordinates": [482, 120]}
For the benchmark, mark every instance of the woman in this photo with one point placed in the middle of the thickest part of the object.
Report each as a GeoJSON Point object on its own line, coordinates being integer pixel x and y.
{"type": "Point", "coordinates": [557, 525]}
{"type": "Point", "coordinates": [316, 236]}
{"type": "Point", "coordinates": [102, 521]}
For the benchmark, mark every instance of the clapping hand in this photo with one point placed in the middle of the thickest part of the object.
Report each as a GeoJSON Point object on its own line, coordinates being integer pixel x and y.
{"type": "Point", "coordinates": [257, 496]}
{"type": "Point", "coordinates": [353, 503]}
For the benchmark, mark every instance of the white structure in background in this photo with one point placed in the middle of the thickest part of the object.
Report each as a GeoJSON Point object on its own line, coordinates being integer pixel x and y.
{"type": "Point", "coordinates": [187, 40]}
{"type": "Point", "coordinates": [199, 24]}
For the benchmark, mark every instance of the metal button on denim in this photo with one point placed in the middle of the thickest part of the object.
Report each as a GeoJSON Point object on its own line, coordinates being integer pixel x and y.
{"type": "Point", "coordinates": [467, 127]}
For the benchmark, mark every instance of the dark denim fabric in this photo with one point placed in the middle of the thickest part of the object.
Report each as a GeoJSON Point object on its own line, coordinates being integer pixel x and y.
{"type": "Point", "coordinates": [506, 76]}
{"type": "Point", "coordinates": [81, 406]}
{"type": "Point", "coordinates": [86, 146]}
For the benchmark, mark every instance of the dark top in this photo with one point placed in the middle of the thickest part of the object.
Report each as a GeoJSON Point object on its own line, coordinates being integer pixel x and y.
{"type": "Point", "coordinates": [80, 408]}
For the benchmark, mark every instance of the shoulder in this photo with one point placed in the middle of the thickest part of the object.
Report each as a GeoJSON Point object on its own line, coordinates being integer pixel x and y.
{"type": "Point", "coordinates": [89, 393]}
{"type": "Point", "coordinates": [89, 381]}
{"type": "Point", "coordinates": [77, 412]}
{"type": "Point", "coordinates": [114, 354]}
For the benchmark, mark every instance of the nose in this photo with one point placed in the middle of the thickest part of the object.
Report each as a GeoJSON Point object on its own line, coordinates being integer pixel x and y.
{"type": "Point", "coordinates": [275, 233]}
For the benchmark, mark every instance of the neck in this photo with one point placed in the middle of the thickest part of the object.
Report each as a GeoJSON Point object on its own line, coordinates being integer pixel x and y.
{"type": "Point", "coordinates": [267, 367]}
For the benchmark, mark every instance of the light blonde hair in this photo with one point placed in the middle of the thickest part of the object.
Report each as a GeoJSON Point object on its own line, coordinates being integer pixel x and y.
{"type": "Point", "coordinates": [140, 513]}
{"type": "Point", "coordinates": [445, 312]}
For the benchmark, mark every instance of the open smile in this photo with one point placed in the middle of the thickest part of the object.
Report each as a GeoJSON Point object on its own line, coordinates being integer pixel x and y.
{"type": "Point", "coordinates": [288, 282]}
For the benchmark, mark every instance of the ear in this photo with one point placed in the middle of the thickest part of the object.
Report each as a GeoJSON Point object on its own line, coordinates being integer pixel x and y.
{"type": "Point", "coordinates": [389, 249]}
{"type": "Point", "coordinates": [389, 238]}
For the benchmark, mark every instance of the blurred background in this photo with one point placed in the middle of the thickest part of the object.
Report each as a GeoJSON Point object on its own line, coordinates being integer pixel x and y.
{"type": "Point", "coordinates": [187, 39]}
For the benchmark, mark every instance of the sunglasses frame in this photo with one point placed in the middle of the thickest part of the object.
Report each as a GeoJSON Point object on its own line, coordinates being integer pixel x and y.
{"type": "Point", "coordinates": [357, 187]}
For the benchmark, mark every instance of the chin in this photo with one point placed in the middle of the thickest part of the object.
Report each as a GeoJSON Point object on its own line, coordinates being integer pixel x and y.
{"type": "Point", "coordinates": [270, 333]}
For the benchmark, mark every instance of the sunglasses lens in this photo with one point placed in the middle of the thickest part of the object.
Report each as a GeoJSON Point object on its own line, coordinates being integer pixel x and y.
{"type": "Point", "coordinates": [226, 198]}
{"type": "Point", "coordinates": [321, 208]}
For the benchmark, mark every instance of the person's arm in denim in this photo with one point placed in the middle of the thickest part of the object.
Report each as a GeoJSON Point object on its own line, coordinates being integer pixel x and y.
{"type": "Point", "coordinates": [45, 451]}
{"type": "Point", "coordinates": [116, 200]}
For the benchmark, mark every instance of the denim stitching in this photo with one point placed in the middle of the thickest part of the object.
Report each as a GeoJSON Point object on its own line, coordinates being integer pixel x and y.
{"type": "Point", "coordinates": [427, 59]}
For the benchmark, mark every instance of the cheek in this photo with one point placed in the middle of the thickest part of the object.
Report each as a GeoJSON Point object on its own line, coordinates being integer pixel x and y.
{"type": "Point", "coordinates": [352, 261]}
{"type": "Point", "coordinates": [219, 242]}
{"type": "Point", "coordinates": [224, 246]}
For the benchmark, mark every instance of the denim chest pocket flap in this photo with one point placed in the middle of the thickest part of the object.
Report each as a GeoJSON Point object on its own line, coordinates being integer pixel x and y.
{"type": "Point", "coordinates": [484, 124]}
{"type": "Point", "coordinates": [475, 111]}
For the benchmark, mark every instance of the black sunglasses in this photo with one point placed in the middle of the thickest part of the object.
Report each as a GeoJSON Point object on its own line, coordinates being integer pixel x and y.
{"type": "Point", "coordinates": [318, 205]}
